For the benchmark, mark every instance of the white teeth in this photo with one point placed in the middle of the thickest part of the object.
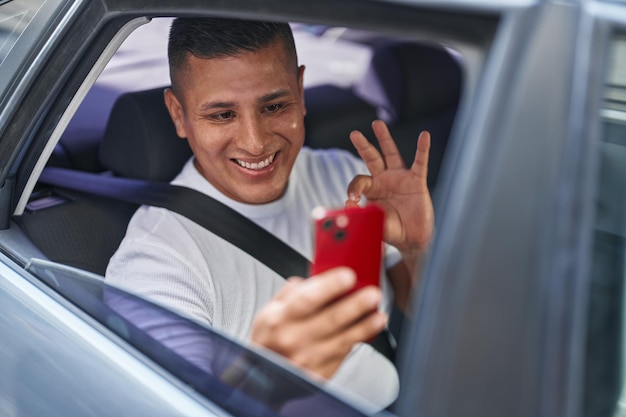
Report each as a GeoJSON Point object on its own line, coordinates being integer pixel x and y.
{"type": "Point", "coordinates": [256, 165]}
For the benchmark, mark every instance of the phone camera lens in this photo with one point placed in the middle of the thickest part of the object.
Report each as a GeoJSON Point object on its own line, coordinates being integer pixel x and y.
{"type": "Point", "coordinates": [327, 224]}
{"type": "Point", "coordinates": [340, 235]}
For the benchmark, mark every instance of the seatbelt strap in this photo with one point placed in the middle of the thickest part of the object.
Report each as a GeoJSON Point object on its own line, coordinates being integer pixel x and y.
{"type": "Point", "coordinates": [200, 208]}
{"type": "Point", "coordinates": [204, 210]}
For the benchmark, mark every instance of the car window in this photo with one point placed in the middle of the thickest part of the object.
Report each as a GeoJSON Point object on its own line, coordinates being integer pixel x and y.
{"type": "Point", "coordinates": [242, 381]}
{"type": "Point", "coordinates": [606, 315]}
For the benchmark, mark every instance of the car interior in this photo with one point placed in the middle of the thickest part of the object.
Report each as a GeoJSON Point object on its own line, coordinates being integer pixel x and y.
{"type": "Point", "coordinates": [127, 133]}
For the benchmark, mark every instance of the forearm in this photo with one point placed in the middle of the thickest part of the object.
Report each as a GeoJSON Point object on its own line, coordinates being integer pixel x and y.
{"type": "Point", "coordinates": [404, 276]}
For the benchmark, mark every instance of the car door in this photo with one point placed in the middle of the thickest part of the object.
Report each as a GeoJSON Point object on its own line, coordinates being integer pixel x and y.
{"type": "Point", "coordinates": [498, 326]}
{"type": "Point", "coordinates": [521, 312]}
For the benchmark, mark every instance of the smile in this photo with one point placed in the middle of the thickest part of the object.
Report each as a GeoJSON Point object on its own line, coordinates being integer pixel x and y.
{"type": "Point", "coordinates": [255, 166]}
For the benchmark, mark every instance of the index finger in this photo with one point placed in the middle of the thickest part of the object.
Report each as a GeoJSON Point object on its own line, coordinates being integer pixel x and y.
{"type": "Point", "coordinates": [368, 152]}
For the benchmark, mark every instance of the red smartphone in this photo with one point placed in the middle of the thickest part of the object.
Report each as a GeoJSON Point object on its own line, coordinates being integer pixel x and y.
{"type": "Point", "coordinates": [350, 237]}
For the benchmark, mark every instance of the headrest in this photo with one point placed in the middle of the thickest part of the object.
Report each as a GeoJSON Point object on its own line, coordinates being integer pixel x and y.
{"type": "Point", "coordinates": [140, 140]}
{"type": "Point", "coordinates": [332, 113]}
{"type": "Point", "coordinates": [408, 80]}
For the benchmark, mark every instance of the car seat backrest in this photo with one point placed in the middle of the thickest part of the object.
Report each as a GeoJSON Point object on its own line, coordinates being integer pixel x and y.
{"type": "Point", "coordinates": [408, 80]}
{"type": "Point", "coordinates": [414, 87]}
{"type": "Point", "coordinates": [139, 142]}
{"type": "Point", "coordinates": [332, 113]}
{"type": "Point", "coordinates": [140, 139]}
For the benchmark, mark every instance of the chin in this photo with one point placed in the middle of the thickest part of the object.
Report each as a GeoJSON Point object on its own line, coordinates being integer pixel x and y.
{"type": "Point", "coordinates": [263, 198]}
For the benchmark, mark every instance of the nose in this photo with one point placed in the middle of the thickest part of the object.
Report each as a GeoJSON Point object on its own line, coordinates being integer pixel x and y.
{"type": "Point", "coordinates": [252, 135]}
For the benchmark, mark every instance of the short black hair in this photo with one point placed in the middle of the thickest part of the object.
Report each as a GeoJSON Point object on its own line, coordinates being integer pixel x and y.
{"type": "Point", "coordinates": [207, 37]}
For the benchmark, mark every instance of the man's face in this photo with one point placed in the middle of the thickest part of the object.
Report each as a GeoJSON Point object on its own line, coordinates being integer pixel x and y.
{"type": "Point", "coordinates": [244, 119]}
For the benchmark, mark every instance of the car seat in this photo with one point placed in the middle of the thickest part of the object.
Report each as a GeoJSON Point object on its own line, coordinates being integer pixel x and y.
{"type": "Point", "coordinates": [414, 87]}
{"type": "Point", "coordinates": [78, 146]}
{"type": "Point", "coordinates": [140, 140]}
{"type": "Point", "coordinates": [332, 113]}
{"type": "Point", "coordinates": [84, 230]}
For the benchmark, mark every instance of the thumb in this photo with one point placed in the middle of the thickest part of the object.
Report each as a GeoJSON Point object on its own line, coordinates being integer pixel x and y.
{"type": "Point", "coordinates": [359, 186]}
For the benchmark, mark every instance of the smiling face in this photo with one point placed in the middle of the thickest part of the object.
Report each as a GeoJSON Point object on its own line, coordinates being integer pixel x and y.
{"type": "Point", "coordinates": [243, 116]}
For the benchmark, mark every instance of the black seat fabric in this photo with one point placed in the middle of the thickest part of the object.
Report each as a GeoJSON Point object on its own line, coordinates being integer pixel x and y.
{"type": "Point", "coordinates": [332, 113]}
{"type": "Point", "coordinates": [140, 139]}
{"type": "Point", "coordinates": [415, 87]}
{"type": "Point", "coordinates": [85, 230]}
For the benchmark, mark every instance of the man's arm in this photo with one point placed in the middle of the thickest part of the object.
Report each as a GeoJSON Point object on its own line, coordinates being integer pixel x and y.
{"type": "Point", "coordinates": [403, 193]}
{"type": "Point", "coordinates": [403, 277]}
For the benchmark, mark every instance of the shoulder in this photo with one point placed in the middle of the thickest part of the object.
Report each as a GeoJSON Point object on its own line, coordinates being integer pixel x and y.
{"type": "Point", "coordinates": [160, 259]}
{"type": "Point", "coordinates": [156, 235]}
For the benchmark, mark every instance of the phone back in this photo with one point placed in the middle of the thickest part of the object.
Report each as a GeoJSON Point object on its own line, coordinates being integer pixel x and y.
{"type": "Point", "coordinates": [350, 237]}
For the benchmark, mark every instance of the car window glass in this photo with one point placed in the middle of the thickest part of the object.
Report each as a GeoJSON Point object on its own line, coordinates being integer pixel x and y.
{"type": "Point", "coordinates": [242, 381]}
{"type": "Point", "coordinates": [606, 314]}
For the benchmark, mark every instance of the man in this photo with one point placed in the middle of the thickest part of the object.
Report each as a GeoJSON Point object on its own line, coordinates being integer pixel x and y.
{"type": "Point", "coordinates": [237, 98]}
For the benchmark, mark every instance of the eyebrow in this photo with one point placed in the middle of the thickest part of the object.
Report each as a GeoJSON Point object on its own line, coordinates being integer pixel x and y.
{"type": "Point", "coordinates": [272, 96]}
{"type": "Point", "coordinates": [217, 105]}
{"type": "Point", "coordinates": [231, 104]}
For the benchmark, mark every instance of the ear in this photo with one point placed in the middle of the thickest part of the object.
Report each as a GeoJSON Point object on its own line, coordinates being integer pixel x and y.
{"type": "Point", "coordinates": [301, 87]}
{"type": "Point", "coordinates": [176, 112]}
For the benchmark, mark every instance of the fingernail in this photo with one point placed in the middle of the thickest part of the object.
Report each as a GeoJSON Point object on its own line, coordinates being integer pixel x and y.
{"type": "Point", "coordinates": [354, 197]}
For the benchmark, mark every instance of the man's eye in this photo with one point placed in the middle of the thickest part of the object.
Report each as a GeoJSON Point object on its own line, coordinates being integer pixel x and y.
{"type": "Point", "coordinates": [271, 108]}
{"type": "Point", "coordinates": [227, 115]}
